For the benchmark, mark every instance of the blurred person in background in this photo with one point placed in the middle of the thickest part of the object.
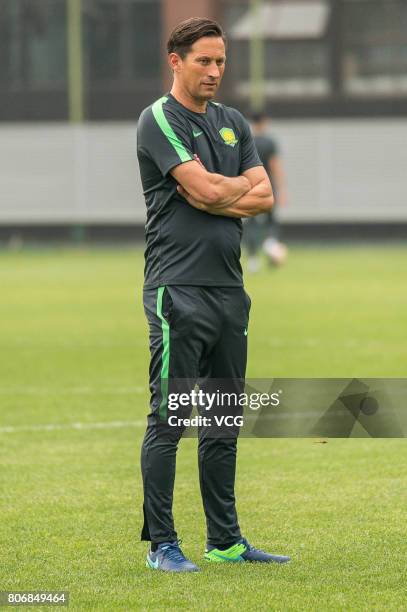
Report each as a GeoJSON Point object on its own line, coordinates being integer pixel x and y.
{"type": "Point", "coordinates": [263, 230]}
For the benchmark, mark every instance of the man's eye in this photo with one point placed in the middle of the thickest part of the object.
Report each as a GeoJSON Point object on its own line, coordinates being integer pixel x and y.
{"type": "Point", "coordinates": [204, 61]}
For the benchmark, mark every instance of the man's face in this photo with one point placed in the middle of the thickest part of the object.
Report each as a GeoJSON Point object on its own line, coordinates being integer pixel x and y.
{"type": "Point", "coordinates": [201, 70]}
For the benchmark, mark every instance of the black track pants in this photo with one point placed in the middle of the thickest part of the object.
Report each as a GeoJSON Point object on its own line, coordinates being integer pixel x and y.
{"type": "Point", "coordinates": [195, 333]}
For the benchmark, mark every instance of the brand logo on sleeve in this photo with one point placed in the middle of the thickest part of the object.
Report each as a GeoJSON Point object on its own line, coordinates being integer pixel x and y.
{"type": "Point", "coordinates": [228, 136]}
{"type": "Point", "coordinates": [196, 134]}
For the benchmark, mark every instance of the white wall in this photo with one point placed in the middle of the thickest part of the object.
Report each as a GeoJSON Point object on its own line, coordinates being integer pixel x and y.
{"type": "Point", "coordinates": [337, 170]}
{"type": "Point", "coordinates": [60, 173]}
{"type": "Point", "coordinates": [345, 169]}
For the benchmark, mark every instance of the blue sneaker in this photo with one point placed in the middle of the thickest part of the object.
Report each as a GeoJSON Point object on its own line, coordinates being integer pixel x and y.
{"type": "Point", "coordinates": [169, 558]}
{"type": "Point", "coordinates": [242, 551]}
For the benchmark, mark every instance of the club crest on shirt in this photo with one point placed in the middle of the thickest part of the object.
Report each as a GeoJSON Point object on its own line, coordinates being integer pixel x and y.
{"type": "Point", "coordinates": [228, 136]}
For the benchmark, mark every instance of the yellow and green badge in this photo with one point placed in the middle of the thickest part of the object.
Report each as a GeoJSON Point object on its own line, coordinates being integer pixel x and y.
{"type": "Point", "coordinates": [228, 136]}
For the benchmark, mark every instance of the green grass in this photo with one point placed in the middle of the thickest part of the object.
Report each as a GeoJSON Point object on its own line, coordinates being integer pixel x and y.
{"type": "Point", "coordinates": [74, 349]}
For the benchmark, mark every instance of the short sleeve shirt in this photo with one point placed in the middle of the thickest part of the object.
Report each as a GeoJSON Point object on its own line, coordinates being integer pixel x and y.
{"type": "Point", "coordinates": [187, 246]}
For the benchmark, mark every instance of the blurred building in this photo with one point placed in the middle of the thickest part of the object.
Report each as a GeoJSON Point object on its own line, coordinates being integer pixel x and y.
{"type": "Point", "coordinates": [75, 75]}
{"type": "Point", "coordinates": [314, 57]}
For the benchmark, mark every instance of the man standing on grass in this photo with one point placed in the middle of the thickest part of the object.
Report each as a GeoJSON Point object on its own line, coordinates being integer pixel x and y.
{"type": "Point", "coordinates": [201, 174]}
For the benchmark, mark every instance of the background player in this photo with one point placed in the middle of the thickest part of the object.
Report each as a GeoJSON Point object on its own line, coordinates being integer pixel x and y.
{"type": "Point", "coordinates": [264, 230]}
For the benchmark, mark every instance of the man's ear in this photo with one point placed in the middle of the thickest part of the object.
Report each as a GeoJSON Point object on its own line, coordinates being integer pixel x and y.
{"type": "Point", "coordinates": [174, 61]}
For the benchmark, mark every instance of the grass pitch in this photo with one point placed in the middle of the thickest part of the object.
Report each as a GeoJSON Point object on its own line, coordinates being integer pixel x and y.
{"type": "Point", "coordinates": [74, 364]}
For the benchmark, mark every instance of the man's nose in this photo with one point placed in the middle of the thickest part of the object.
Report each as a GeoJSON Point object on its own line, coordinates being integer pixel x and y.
{"type": "Point", "coordinates": [214, 71]}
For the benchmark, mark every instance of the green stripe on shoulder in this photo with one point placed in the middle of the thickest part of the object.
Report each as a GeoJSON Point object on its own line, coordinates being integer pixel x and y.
{"type": "Point", "coordinates": [167, 130]}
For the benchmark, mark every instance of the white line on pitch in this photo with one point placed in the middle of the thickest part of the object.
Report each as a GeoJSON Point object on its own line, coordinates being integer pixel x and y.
{"type": "Point", "coordinates": [56, 426]}
{"type": "Point", "coordinates": [20, 390]}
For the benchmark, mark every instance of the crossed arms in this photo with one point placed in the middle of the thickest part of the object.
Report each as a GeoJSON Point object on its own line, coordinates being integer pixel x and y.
{"type": "Point", "coordinates": [242, 196]}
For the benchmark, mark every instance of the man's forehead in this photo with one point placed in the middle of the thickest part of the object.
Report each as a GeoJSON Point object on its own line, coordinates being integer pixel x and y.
{"type": "Point", "coordinates": [212, 46]}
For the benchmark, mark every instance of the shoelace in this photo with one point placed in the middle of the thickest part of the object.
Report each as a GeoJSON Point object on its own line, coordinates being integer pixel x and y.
{"type": "Point", "coordinates": [250, 547]}
{"type": "Point", "coordinates": [173, 552]}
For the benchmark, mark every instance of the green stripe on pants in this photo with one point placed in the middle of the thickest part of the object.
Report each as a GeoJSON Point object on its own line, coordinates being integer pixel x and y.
{"type": "Point", "coordinates": [165, 356]}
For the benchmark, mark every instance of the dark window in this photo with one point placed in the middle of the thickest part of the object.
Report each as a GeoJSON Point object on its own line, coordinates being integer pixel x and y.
{"type": "Point", "coordinates": [122, 58]}
{"type": "Point", "coordinates": [147, 45]}
{"type": "Point", "coordinates": [123, 55]}
{"type": "Point", "coordinates": [375, 47]}
{"type": "Point", "coordinates": [294, 46]}
{"type": "Point", "coordinates": [317, 57]}
{"type": "Point", "coordinates": [32, 43]}
{"type": "Point", "coordinates": [102, 38]}
{"type": "Point", "coordinates": [33, 75]}
{"type": "Point", "coordinates": [123, 39]}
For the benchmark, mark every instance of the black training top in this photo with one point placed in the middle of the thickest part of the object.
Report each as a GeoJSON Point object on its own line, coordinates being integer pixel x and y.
{"type": "Point", "coordinates": [187, 246]}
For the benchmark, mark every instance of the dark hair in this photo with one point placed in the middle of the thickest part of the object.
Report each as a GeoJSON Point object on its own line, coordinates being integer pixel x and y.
{"type": "Point", "coordinates": [258, 117]}
{"type": "Point", "coordinates": [189, 31]}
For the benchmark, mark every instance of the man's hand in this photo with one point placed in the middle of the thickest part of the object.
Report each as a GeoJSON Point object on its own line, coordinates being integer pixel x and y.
{"type": "Point", "coordinates": [196, 158]}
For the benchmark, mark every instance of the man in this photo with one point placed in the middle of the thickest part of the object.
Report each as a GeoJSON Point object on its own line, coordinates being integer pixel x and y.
{"type": "Point", "coordinates": [201, 175]}
{"type": "Point", "coordinates": [264, 228]}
